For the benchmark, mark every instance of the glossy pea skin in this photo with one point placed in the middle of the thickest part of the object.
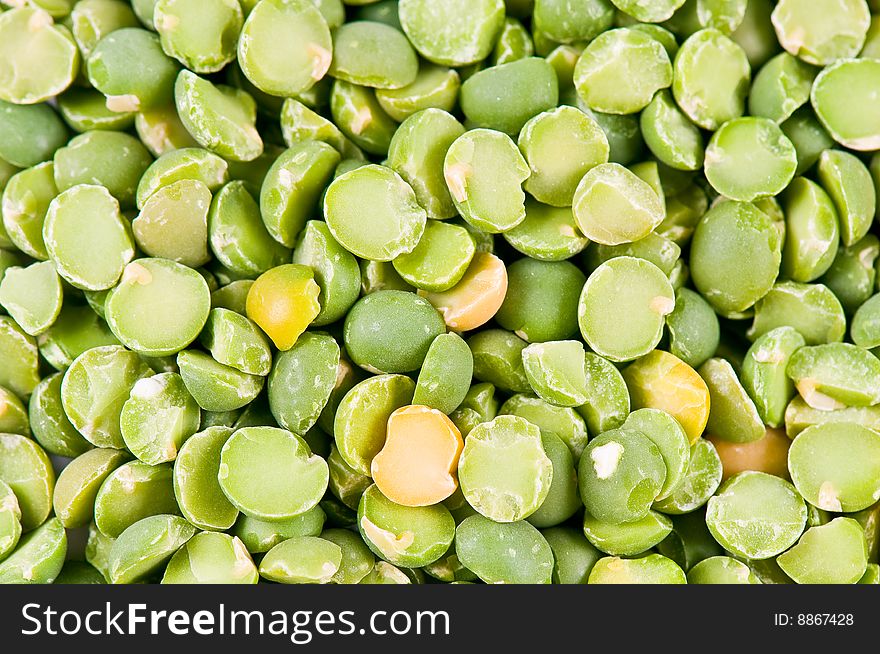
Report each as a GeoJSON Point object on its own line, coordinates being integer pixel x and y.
{"type": "Point", "coordinates": [670, 134]}
{"type": "Point", "coordinates": [77, 486]}
{"type": "Point", "coordinates": [729, 233]}
{"type": "Point", "coordinates": [565, 24]}
{"type": "Point", "coordinates": [26, 469]}
{"type": "Point", "coordinates": [445, 375]}
{"type": "Point", "coordinates": [573, 555]}
{"type": "Point", "coordinates": [694, 332]}
{"type": "Point", "coordinates": [26, 200]}
{"type": "Point", "coordinates": [732, 414]}
{"type": "Point", "coordinates": [848, 182]}
{"type": "Point", "coordinates": [31, 133]}
{"type": "Point", "coordinates": [764, 372]}
{"type": "Point", "coordinates": [541, 299]}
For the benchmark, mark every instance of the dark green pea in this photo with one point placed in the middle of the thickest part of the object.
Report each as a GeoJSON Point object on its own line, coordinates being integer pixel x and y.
{"type": "Point", "coordinates": [694, 332]}
{"type": "Point", "coordinates": [573, 555]}
{"type": "Point", "coordinates": [732, 416]}
{"type": "Point", "coordinates": [29, 134]}
{"type": "Point", "coordinates": [630, 538]}
{"type": "Point", "coordinates": [39, 556]}
{"type": "Point", "coordinates": [808, 137]}
{"type": "Point", "coordinates": [690, 541]}
{"type": "Point", "coordinates": [812, 309]}
{"type": "Point", "coordinates": [498, 359]}
{"type": "Point", "coordinates": [26, 200]}
{"type": "Point", "coordinates": [852, 274]}
{"type": "Point", "coordinates": [131, 492]}
{"type": "Point", "coordinates": [260, 536]}
{"type": "Point", "coordinates": [700, 482]}
{"type": "Point", "coordinates": [658, 249]}
{"type": "Point", "coordinates": [445, 375]}
{"type": "Point", "coordinates": [510, 553]}
{"type": "Point", "coordinates": [764, 373]}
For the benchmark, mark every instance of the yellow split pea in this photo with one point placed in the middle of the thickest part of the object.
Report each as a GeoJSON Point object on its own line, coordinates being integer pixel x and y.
{"type": "Point", "coordinates": [417, 465]}
{"type": "Point", "coordinates": [283, 302]}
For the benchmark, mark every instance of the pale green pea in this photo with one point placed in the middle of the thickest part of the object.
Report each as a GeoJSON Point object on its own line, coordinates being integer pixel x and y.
{"type": "Point", "coordinates": [85, 109]}
{"type": "Point", "coordinates": [670, 135]}
{"type": "Point", "coordinates": [445, 375]}
{"type": "Point", "coordinates": [848, 182]}
{"type": "Point", "coordinates": [29, 134]}
{"type": "Point", "coordinates": [484, 171]}
{"type": "Point", "coordinates": [39, 556]}
{"type": "Point", "coordinates": [13, 414]}
{"type": "Point", "coordinates": [693, 327]}
{"type": "Point", "coordinates": [346, 483]}
{"type": "Point", "coordinates": [236, 341]}
{"type": "Point", "coordinates": [26, 199]}
{"type": "Point", "coordinates": [562, 500]}
{"type": "Point", "coordinates": [840, 94]}
{"type": "Point", "coordinates": [479, 405]}
{"type": "Point", "coordinates": [664, 431]}
{"type": "Point", "coordinates": [749, 158]}
{"type": "Point", "coordinates": [812, 309]}
{"type": "Point", "coordinates": [145, 546]}
{"type": "Point", "coordinates": [217, 387]}
{"type": "Point", "coordinates": [211, 558]}
{"type": "Point", "coordinates": [869, 519]}
{"type": "Point", "coordinates": [87, 238]}
{"type": "Point", "coordinates": [361, 118]}
{"type": "Point", "coordinates": [541, 300]}
{"type": "Point", "coordinates": [232, 296]}
{"type": "Point", "coordinates": [756, 515]}
{"type": "Point", "coordinates": [50, 425]}
{"type": "Point", "coordinates": [514, 43]}
{"type": "Point", "coordinates": [385, 573]}
{"type": "Point", "coordinates": [612, 205]}
{"type": "Point", "coordinates": [456, 33]}
{"type": "Point", "coordinates": [700, 482]}
{"type": "Point", "coordinates": [185, 163]}
{"type": "Point", "coordinates": [498, 360]}
{"type": "Point", "coordinates": [555, 173]}
{"type": "Point", "coordinates": [852, 274]}
{"type": "Point", "coordinates": [113, 160]}
{"type": "Point", "coordinates": [247, 462]}
{"type": "Point", "coordinates": [627, 539]}
{"type": "Point", "coordinates": [511, 553]}
{"type": "Point", "coordinates": [10, 521]}
{"type": "Point", "coordinates": [650, 569]}
{"type": "Point", "coordinates": [450, 569]}
{"type": "Point", "coordinates": [556, 372]}
{"type": "Point", "coordinates": [410, 537]}
{"type": "Point", "coordinates": [721, 570]}
{"type": "Point", "coordinates": [808, 137]}
{"type": "Point", "coordinates": [159, 306]}
{"type": "Point", "coordinates": [780, 87]}
{"type": "Point", "coordinates": [299, 123]}
{"type": "Point", "coordinates": [565, 23]}
{"type": "Point", "coordinates": [285, 47]}
{"type": "Point", "coordinates": [435, 87]}
{"type": "Point", "coordinates": [131, 492]}
{"type": "Point", "coordinates": [799, 415]}
{"type": "Point", "coordinates": [130, 68]}
{"type": "Point", "coordinates": [631, 287]}
{"type": "Point", "coordinates": [608, 402]}
{"type": "Point", "coordinates": [302, 560]}
{"type": "Point", "coordinates": [32, 296]}
{"type": "Point", "coordinates": [417, 152]}
{"type": "Point", "coordinates": [237, 234]}
{"type": "Point", "coordinates": [173, 223]}
{"type": "Point", "coordinates": [95, 388]}
{"type": "Point", "coordinates": [220, 118]}
{"type": "Point", "coordinates": [764, 372]}
{"type": "Point", "coordinates": [865, 327]}
{"type": "Point", "coordinates": [373, 54]}
{"type": "Point", "coordinates": [77, 329]}
{"type": "Point", "coordinates": [98, 550]}
{"type": "Point", "coordinates": [835, 553]}
{"type": "Point", "coordinates": [812, 231]}
{"type": "Point", "coordinates": [616, 54]}
{"type": "Point", "coordinates": [547, 233]}
{"type": "Point", "coordinates": [834, 466]}
{"type": "Point", "coordinates": [27, 79]}
{"type": "Point", "coordinates": [711, 78]}
{"type": "Point", "coordinates": [651, 12]}
{"type": "Point", "coordinates": [834, 375]}
{"type": "Point", "coordinates": [733, 415]}
{"type": "Point", "coordinates": [439, 260]}
{"type": "Point", "coordinates": [658, 249]}
{"type": "Point", "coordinates": [398, 221]}
{"type": "Point", "coordinates": [503, 470]}
{"type": "Point", "coordinates": [26, 469]}
{"type": "Point", "coordinates": [821, 32]}
{"type": "Point", "coordinates": [77, 485]}
{"type": "Point", "coordinates": [161, 130]}
{"type": "Point", "coordinates": [380, 276]}
{"type": "Point", "coordinates": [20, 372]}
{"type": "Point", "coordinates": [529, 83]}
{"type": "Point", "coordinates": [196, 487]}
{"type": "Point", "coordinates": [728, 234]}
{"type": "Point", "coordinates": [200, 34]}
{"type": "Point", "coordinates": [723, 15]}
{"type": "Point", "coordinates": [260, 536]}
{"type": "Point", "coordinates": [158, 417]}
{"type": "Point", "coordinates": [573, 555]}
{"type": "Point", "coordinates": [359, 426]}
{"type": "Point", "coordinates": [92, 20]}
{"type": "Point", "coordinates": [302, 380]}
{"type": "Point", "coordinates": [620, 474]}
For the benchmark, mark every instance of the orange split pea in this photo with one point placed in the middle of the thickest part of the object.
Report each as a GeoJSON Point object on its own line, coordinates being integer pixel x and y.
{"type": "Point", "coordinates": [767, 454]}
{"type": "Point", "coordinates": [283, 301]}
{"type": "Point", "coordinates": [476, 298]}
{"type": "Point", "coordinates": [417, 465]}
